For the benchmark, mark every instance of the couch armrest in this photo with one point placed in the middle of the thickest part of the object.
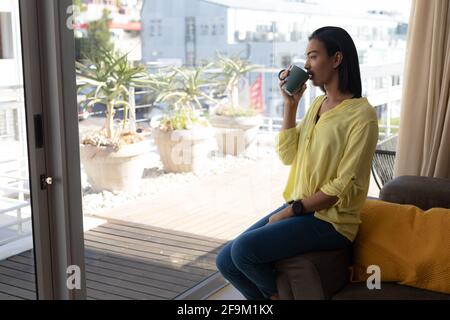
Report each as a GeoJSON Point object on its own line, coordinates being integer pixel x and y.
{"type": "Point", "coordinates": [423, 192]}
{"type": "Point", "coordinates": [313, 276]}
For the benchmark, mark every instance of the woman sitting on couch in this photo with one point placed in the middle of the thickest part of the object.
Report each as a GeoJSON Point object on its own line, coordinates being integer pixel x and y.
{"type": "Point", "coordinates": [330, 153]}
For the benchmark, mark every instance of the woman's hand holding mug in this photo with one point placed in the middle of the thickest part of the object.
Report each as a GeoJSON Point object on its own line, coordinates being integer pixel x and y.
{"type": "Point", "coordinates": [292, 92]}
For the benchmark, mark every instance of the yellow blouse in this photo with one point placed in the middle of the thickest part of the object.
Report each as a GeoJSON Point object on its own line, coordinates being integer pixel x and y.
{"type": "Point", "coordinates": [333, 156]}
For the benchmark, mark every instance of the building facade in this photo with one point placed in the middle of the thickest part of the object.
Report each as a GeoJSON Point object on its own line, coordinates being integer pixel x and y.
{"type": "Point", "coordinates": [274, 35]}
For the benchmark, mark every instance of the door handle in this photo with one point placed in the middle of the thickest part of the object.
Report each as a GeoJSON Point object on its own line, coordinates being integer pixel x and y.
{"type": "Point", "coordinates": [45, 181]}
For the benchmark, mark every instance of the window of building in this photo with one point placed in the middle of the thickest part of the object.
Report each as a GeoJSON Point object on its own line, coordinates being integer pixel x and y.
{"type": "Point", "coordinates": [381, 111]}
{"type": "Point", "coordinates": [159, 28]}
{"type": "Point", "coordinates": [190, 29]}
{"type": "Point", "coordinates": [204, 29]}
{"type": "Point", "coordinates": [6, 36]}
{"type": "Point", "coordinates": [152, 28]}
{"type": "Point", "coordinates": [395, 80]}
{"type": "Point", "coordinates": [155, 28]}
{"type": "Point", "coordinates": [286, 60]}
{"type": "Point", "coordinates": [271, 59]}
{"type": "Point", "coordinates": [379, 83]}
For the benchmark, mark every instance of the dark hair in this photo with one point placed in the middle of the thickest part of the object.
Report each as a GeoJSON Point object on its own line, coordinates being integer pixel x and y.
{"type": "Point", "coordinates": [337, 39]}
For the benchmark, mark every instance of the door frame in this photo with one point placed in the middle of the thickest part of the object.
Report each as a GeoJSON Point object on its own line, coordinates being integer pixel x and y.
{"type": "Point", "coordinates": [50, 91]}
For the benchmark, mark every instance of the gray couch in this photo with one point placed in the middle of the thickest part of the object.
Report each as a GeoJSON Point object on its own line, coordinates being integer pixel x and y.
{"type": "Point", "coordinates": [325, 275]}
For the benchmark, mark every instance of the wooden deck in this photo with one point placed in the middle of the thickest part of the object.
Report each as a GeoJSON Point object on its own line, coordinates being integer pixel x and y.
{"type": "Point", "coordinates": [219, 206]}
{"type": "Point", "coordinates": [126, 261]}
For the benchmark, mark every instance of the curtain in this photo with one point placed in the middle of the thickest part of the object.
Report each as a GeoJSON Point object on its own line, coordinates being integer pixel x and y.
{"type": "Point", "coordinates": [423, 147]}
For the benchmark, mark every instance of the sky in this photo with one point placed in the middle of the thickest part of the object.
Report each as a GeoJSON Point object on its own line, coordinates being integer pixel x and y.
{"type": "Point", "coordinates": [402, 6]}
{"type": "Point", "coordinates": [386, 4]}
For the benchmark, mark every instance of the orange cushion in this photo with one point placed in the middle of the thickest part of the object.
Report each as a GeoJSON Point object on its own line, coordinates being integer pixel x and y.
{"type": "Point", "coordinates": [411, 246]}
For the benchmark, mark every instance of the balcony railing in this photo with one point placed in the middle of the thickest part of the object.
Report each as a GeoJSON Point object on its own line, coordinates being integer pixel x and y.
{"type": "Point", "coordinates": [270, 124]}
{"type": "Point", "coordinates": [15, 210]}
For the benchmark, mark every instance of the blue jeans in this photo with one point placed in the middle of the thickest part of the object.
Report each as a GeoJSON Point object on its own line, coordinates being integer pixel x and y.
{"type": "Point", "coordinates": [247, 262]}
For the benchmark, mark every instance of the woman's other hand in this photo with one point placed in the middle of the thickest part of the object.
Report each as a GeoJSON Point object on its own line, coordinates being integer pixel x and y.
{"type": "Point", "coordinates": [283, 214]}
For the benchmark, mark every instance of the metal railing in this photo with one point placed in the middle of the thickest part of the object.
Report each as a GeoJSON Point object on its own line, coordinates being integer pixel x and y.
{"type": "Point", "coordinates": [273, 124]}
{"type": "Point", "coordinates": [270, 124]}
{"type": "Point", "coordinates": [15, 210]}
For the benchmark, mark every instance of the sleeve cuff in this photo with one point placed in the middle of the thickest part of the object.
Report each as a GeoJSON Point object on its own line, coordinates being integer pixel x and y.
{"type": "Point", "coordinates": [338, 187]}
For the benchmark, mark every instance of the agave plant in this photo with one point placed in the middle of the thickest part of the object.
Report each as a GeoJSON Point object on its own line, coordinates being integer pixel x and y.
{"type": "Point", "coordinates": [182, 88]}
{"type": "Point", "coordinates": [112, 75]}
{"type": "Point", "coordinates": [232, 70]}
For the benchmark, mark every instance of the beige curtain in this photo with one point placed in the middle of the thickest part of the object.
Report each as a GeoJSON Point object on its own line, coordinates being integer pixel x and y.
{"type": "Point", "coordinates": [424, 138]}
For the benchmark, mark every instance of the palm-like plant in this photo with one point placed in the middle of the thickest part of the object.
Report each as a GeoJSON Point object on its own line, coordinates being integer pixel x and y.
{"type": "Point", "coordinates": [111, 74]}
{"type": "Point", "coordinates": [233, 69]}
{"type": "Point", "coordinates": [182, 89]}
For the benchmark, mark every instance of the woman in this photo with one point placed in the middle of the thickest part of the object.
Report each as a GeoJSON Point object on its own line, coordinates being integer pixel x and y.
{"type": "Point", "coordinates": [330, 154]}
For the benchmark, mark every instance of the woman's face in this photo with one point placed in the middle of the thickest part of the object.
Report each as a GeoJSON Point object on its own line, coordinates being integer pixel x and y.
{"type": "Point", "coordinates": [319, 65]}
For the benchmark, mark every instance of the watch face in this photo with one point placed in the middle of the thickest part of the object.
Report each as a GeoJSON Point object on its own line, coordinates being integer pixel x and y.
{"type": "Point", "coordinates": [297, 208]}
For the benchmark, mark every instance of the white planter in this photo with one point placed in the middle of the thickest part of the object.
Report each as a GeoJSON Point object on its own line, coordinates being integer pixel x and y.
{"type": "Point", "coordinates": [115, 171]}
{"type": "Point", "coordinates": [183, 150]}
{"type": "Point", "coordinates": [235, 134]}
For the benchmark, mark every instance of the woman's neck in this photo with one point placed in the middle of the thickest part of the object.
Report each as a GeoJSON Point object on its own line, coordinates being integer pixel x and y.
{"type": "Point", "coordinates": [335, 96]}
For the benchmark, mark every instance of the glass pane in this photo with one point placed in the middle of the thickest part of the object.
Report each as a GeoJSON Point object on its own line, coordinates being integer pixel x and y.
{"type": "Point", "coordinates": [179, 106]}
{"type": "Point", "coordinates": [17, 278]}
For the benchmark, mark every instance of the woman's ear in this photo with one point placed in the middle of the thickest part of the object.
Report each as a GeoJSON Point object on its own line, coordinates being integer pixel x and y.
{"type": "Point", "coordinates": [338, 57]}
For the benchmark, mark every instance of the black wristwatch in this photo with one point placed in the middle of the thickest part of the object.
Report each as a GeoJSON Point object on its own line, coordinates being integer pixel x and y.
{"type": "Point", "coordinates": [297, 208]}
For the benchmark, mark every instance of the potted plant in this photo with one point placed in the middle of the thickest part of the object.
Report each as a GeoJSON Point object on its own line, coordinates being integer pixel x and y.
{"type": "Point", "coordinates": [113, 157]}
{"type": "Point", "coordinates": [236, 126]}
{"type": "Point", "coordinates": [183, 136]}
